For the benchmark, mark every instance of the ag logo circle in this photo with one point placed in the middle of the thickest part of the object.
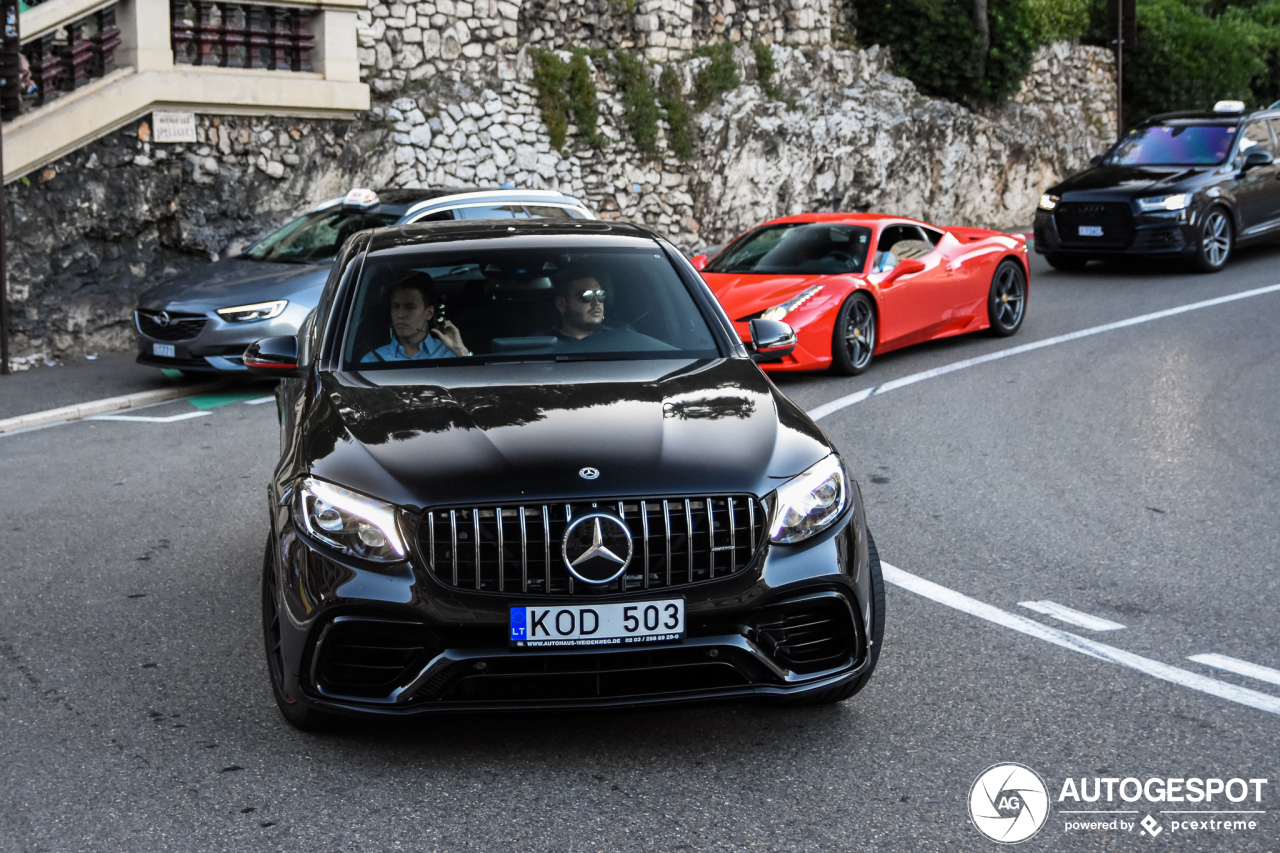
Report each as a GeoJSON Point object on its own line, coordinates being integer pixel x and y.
{"type": "Point", "coordinates": [1008, 803]}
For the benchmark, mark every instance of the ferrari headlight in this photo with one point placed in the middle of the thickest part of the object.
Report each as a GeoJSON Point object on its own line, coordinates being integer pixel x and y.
{"type": "Point", "coordinates": [777, 312]}
{"type": "Point", "coordinates": [810, 502]}
{"type": "Point", "coordinates": [256, 311]}
{"type": "Point", "coordinates": [350, 522]}
{"type": "Point", "coordinates": [1177, 201]}
{"type": "Point", "coordinates": [1049, 202]}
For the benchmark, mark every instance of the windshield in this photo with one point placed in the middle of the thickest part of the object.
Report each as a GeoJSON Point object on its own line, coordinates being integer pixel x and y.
{"type": "Point", "coordinates": [414, 308]}
{"type": "Point", "coordinates": [316, 237]}
{"type": "Point", "coordinates": [1174, 145]}
{"type": "Point", "coordinates": [798, 248]}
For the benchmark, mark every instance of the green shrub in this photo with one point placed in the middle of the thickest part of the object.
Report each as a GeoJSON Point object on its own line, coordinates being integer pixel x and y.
{"type": "Point", "coordinates": [718, 76]}
{"type": "Point", "coordinates": [671, 98]}
{"type": "Point", "coordinates": [936, 45]}
{"type": "Point", "coordinates": [1055, 20]}
{"type": "Point", "coordinates": [582, 99]}
{"type": "Point", "coordinates": [550, 78]}
{"type": "Point", "coordinates": [765, 69]}
{"type": "Point", "coordinates": [1186, 60]}
{"type": "Point", "coordinates": [639, 104]}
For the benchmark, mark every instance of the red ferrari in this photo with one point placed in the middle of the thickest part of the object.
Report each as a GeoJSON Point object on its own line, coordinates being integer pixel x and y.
{"type": "Point", "coordinates": [854, 285]}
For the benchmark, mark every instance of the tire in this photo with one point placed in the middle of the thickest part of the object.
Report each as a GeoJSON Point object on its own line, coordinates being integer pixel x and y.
{"type": "Point", "coordinates": [1066, 263]}
{"type": "Point", "coordinates": [853, 342]}
{"type": "Point", "coordinates": [1007, 299]}
{"type": "Point", "coordinates": [1216, 240]}
{"type": "Point", "coordinates": [303, 719]}
{"type": "Point", "coordinates": [841, 692]}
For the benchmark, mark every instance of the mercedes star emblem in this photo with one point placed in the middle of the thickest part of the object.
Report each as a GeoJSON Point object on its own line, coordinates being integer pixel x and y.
{"type": "Point", "coordinates": [589, 473]}
{"type": "Point", "coordinates": [596, 548]}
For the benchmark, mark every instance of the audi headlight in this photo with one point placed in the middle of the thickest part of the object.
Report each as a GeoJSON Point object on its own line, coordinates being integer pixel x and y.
{"type": "Point", "coordinates": [1177, 201]}
{"type": "Point", "coordinates": [256, 311]}
{"type": "Point", "coordinates": [350, 522]}
{"type": "Point", "coordinates": [1049, 202]}
{"type": "Point", "coordinates": [808, 503]}
{"type": "Point", "coordinates": [777, 312]}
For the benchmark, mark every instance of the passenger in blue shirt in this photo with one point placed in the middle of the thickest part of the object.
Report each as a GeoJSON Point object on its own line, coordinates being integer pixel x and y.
{"type": "Point", "coordinates": [413, 304]}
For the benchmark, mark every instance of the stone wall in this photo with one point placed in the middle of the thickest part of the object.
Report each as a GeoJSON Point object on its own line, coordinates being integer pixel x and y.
{"type": "Point", "coordinates": [454, 105]}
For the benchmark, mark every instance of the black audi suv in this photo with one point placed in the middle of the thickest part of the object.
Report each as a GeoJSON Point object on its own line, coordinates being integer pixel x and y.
{"type": "Point", "coordinates": [1192, 184]}
{"type": "Point", "coordinates": [578, 491]}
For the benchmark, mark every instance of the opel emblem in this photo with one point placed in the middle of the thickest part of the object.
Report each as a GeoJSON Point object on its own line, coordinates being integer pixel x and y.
{"type": "Point", "coordinates": [589, 473]}
{"type": "Point", "coordinates": [162, 319]}
{"type": "Point", "coordinates": [596, 548]}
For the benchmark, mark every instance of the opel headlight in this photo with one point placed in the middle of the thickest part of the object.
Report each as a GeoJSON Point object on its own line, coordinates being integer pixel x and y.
{"type": "Point", "coordinates": [350, 522]}
{"type": "Point", "coordinates": [777, 312]}
{"type": "Point", "coordinates": [256, 311]}
{"type": "Point", "coordinates": [810, 502]}
{"type": "Point", "coordinates": [1049, 202]}
{"type": "Point", "coordinates": [1177, 201]}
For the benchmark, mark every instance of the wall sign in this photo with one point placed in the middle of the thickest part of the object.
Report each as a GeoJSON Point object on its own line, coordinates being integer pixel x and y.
{"type": "Point", "coordinates": [173, 127]}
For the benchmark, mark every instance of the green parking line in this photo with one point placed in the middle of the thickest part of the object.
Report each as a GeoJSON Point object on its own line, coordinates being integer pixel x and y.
{"type": "Point", "coordinates": [213, 401]}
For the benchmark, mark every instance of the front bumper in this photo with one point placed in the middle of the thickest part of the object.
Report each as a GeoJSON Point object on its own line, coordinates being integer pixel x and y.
{"type": "Point", "coordinates": [1124, 232]}
{"type": "Point", "coordinates": [201, 341]}
{"type": "Point", "coordinates": [796, 621]}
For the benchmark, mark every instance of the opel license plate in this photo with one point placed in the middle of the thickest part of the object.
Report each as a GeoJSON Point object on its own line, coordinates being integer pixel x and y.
{"type": "Point", "coordinates": [578, 625]}
{"type": "Point", "coordinates": [165, 350]}
{"type": "Point", "coordinates": [1090, 230]}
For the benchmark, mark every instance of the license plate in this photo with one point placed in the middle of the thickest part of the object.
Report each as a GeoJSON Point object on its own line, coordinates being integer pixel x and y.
{"type": "Point", "coordinates": [165, 350]}
{"type": "Point", "coordinates": [578, 625]}
{"type": "Point", "coordinates": [1090, 230]}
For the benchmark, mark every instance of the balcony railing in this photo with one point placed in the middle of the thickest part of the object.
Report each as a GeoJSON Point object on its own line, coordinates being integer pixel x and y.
{"type": "Point", "coordinates": [239, 35]}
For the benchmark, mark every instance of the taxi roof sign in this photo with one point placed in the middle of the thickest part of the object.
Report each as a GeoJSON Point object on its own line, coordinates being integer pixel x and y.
{"type": "Point", "coordinates": [360, 197]}
{"type": "Point", "coordinates": [1229, 107]}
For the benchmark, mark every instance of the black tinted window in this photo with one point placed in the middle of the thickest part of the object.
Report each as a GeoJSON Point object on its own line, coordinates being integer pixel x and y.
{"type": "Point", "coordinates": [512, 304]}
{"type": "Point", "coordinates": [798, 248]}
{"type": "Point", "coordinates": [316, 237]}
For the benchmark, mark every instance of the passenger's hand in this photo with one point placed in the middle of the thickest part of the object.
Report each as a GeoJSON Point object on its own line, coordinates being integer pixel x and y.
{"type": "Point", "coordinates": [449, 335]}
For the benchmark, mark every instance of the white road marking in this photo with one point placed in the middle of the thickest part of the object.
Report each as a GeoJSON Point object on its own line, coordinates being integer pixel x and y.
{"type": "Point", "coordinates": [858, 396]}
{"type": "Point", "coordinates": [1083, 645]}
{"type": "Point", "coordinates": [1239, 667]}
{"type": "Point", "coordinates": [1075, 617]}
{"type": "Point", "coordinates": [258, 401]}
{"type": "Point", "coordinates": [146, 420]}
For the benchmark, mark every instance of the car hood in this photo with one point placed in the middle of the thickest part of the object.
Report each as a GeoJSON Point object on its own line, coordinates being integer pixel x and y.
{"type": "Point", "coordinates": [233, 281]}
{"type": "Point", "coordinates": [438, 436]}
{"type": "Point", "coordinates": [744, 294]}
{"type": "Point", "coordinates": [1131, 180]}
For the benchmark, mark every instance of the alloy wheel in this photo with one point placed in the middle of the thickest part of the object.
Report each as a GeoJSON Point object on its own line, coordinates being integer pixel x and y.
{"type": "Point", "coordinates": [860, 333]}
{"type": "Point", "coordinates": [1009, 296]}
{"type": "Point", "coordinates": [1217, 238]}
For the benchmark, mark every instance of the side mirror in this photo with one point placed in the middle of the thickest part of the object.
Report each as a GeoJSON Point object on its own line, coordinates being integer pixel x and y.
{"type": "Point", "coordinates": [276, 357]}
{"type": "Point", "coordinates": [907, 266]}
{"type": "Point", "coordinates": [771, 340]}
{"type": "Point", "coordinates": [1254, 159]}
{"type": "Point", "coordinates": [699, 262]}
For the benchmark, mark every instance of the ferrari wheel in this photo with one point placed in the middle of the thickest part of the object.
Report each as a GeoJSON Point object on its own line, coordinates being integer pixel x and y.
{"type": "Point", "coordinates": [1215, 241]}
{"type": "Point", "coordinates": [854, 340]}
{"type": "Point", "coordinates": [1007, 301]}
{"type": "Point", "coordinates": [1066, 263]}
{"type": "Point", "coordinates": [305, 719]}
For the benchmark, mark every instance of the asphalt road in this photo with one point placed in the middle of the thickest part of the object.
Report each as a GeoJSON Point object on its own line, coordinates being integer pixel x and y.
{"type": "Point", "coordinates": [1129, 474]}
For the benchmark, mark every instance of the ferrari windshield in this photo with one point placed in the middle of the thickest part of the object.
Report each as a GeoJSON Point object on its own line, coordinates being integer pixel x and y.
{"type": "Point", "coordinates": [316, 237]}
{"type": "Point", "coordinates": [558, 302]}
{"type": "Point", "coordinates": [797, 248]}
{"type": "Point", "coordinates": [1174, 145]}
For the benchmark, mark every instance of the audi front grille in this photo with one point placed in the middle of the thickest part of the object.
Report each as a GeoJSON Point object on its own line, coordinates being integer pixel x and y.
{"type": "Point", "coordinates": [677, 541]}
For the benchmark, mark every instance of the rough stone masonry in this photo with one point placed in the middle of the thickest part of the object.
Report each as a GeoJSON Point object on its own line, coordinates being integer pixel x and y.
{"type": "Point", "coordinates": [454, 105]}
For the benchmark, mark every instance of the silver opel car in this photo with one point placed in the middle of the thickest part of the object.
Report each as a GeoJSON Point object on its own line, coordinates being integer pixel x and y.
{"type": "Point", "coordinates": [202, 321]}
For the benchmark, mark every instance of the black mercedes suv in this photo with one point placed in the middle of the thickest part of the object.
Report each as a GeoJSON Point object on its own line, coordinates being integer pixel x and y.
{"type": "Point", "coordinates": [1189, 184]}
{"type": "Point", "coordinates": [578, 490]}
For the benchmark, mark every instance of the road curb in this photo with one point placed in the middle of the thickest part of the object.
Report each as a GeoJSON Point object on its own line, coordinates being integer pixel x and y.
{"type": "Point", "coordinates": [109, 404]}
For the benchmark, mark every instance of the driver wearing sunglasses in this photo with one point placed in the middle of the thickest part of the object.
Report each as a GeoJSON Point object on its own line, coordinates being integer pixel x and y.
{"type": "Point", "coordinates": [580, 301]}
